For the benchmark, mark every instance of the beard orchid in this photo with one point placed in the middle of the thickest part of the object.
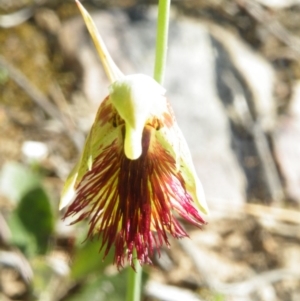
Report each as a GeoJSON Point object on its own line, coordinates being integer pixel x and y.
{"type": "Point", "coordinates": [135, 173]}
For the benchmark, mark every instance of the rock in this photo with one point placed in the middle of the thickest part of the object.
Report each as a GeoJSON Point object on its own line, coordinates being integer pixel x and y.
{"type": "Point", "coordinates": [190, 80]}
{"type": "Point", "coordinates": [287, 146]}
{"type": "Point", "coordinates": [287, 149]}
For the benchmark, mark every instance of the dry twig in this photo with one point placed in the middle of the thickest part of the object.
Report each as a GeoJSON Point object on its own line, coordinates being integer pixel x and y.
{"type": "Point", "coordinates": [41, 100]}
{"type": "Point", "coordinates": [272, 25]}
{"type": "Point", "coordinates": [16, 18]}
{"type": "Point", "coordinates": [243, 288]}
{"type": "Point", "coordinates": [261, 211]}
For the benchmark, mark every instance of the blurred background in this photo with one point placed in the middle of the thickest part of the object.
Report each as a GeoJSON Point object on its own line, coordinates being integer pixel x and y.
{"type": "Point", "coordinates": [232, 78]}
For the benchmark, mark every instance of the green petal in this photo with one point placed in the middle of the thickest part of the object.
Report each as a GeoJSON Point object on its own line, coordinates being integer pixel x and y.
{"type": "Point", "coordinates": [173, 141]}
{"type": "Point", "coordinates": [111, 69]}
{"type": "Point", "coordinates": [102, 133]}
{"type": "Point", "coordinates": [132, 144]}
{"type": "Point", "coordinates": [68, 191]}
{"type": "Point", "coordinates": [189, 174]}
{"type": "Point", "coordinates": [78, 171]}
{"type": "Point", "coordinates": [134, 97]}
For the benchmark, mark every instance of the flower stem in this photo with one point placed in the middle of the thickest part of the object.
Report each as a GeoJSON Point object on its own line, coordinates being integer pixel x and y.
{"type": "Point", "coordinates": [134, 281]}
{"type": "Point", "coordinates": [135, 277]}
{"type": "Point", "coordinates": [161, 40]}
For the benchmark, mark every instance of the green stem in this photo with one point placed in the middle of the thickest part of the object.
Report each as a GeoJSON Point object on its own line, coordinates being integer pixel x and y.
{"type": "Point", "coordinates": [135, 277]}
{"type": "Point", "coordinates": [161, 40]}
{"type": "Point", "coordinates": [134, 281]}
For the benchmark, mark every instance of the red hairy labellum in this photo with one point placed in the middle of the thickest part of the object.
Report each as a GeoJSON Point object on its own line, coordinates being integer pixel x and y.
{"type": "Point", "coordinates": [130, 203]}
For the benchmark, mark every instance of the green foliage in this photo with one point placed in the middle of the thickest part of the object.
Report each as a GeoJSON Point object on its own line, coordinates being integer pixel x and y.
{"type": "Point", "coordinates": [101, 287]}
{"type": "Point", "coordinates": [20, 236]}
{"type": "Point", "coordinates": [16, 180]}
{"type": "Point", "coordinates": [219, 297]}
{"type": "Point", "coordinates": [32, 221]}
{"type": "Point", "coordinates": [34, 212]}
{"type": "Point", "coordinates": [32, 224]}
{"type": "Point", "coordinates": [3, 76]}
{"type": "Point", "coordinates": [88, 259]}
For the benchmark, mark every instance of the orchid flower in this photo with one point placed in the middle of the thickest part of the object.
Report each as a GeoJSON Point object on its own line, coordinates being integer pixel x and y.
{"type": "Point", "coordinates": [135, 174]}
